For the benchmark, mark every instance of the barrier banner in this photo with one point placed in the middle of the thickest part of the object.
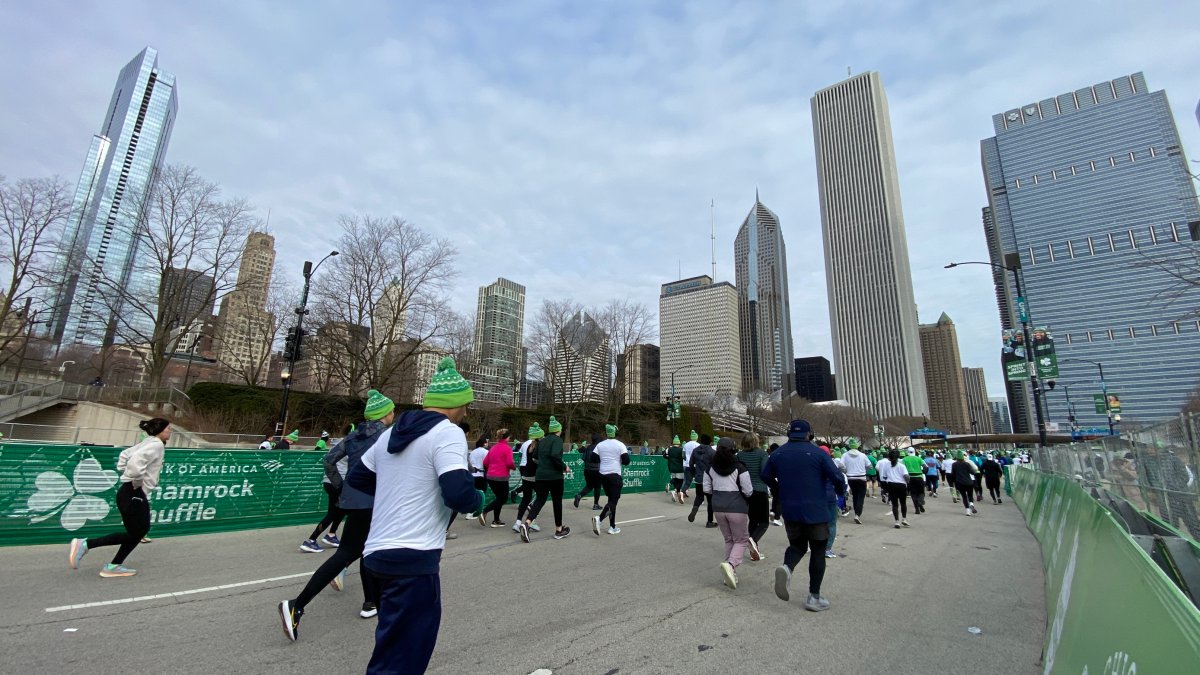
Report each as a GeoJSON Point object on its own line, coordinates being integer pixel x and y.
{"type": "Point", "coordinates": [1109, 608]}
{"type": "Point", "coordinates": [51, 493]}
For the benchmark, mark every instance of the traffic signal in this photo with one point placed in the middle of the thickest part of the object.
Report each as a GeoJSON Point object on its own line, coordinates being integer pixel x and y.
{"type": "Point", "coordinates": [293, 344]}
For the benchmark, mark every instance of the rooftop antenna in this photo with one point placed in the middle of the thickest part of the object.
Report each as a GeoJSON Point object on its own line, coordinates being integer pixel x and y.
{"type": "Point", "coordinates": [680, 261]}
{"type": "Point", "coordinates": [712, 218]}
{"type": "Point", "coordinates": [847, 71]}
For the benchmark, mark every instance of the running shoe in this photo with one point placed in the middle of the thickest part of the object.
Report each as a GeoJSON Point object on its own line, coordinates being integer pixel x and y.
{"type": "Point", "coordinates": [692, 516]}
{"type": "Point", "coordinates": [331, 540]}
{"type": "Point", "coordinates": [999, 501]}
{"type": "Point", "coordinates": [614, 530]}
{"type": "Point", "coordinates": [578, 498]}
{"type": "Point", "coordinates": [482, 520]}
{"type": "Point", "coordinates": [517, 527]}
{"type": "Point", "coordinates": [311, 546]}
{"type": "Point", "coordinates": [754, 554]}
{"type": "Point", "coordinates": [857, 520]}
{"type": "Point", "coordinates": [368, 610]}
{"type": "Point", "coordinates": [968, 513]}
{"type": "Point", "coordinates": [830, 554]}
{"type": "Point", "coordinates": [710, 524]}
{"type": "Point", "coordinates": [816, 603]}
{"type": "Point", "coordinates": [679, 496]}
{"type": "Point", "coordinates": [729, 574]}
{"type": "Point", "coordinates": [452, 535]}
{"type": "Point", "coordinates": [897, 526]}
{"type": "Point", "coordinates": [533, 527]}
{"type": "Point", "coordinates": [783, 579]}
{"type": "Point", "coordinates": [498, 523]}
{"type": "Point", "coordinates": [596, 507]}
{"type": "Point", "coordinates": [973, 509]}
{"type": "Point", "coordinates": [339, 582]}
{"type": "Point", "coordinates": [524, 532]}
{"type": "Point", "coordinates": [78, 550]}
{"type": "Point", "coordinates": [596, 525]}
{"type": "Point", "coordinates": [146, 540]}
{"type": "Point", "coordinates": [563, 533]}
{"type": "Point", "coordinates": [904, 523]}
{"type": "Point", "coordinates": [670, 494]}
{"type": "Point", "coordinates": [778, 522]}
{"type": "Point", "coordinates": [291, 620]}
{"type": "Point", "coordinates": [111, 571]}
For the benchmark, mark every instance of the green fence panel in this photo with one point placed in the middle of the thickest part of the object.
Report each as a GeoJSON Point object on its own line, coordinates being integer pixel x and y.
{"type": "Point", "coordinates": [51, 493]}
{"type": "Point", "coordinates": [1110, 609]}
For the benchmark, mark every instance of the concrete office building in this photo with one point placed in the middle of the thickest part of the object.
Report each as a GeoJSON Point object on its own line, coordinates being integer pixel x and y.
{"type": "Point", "coordinates": [581, 368]}
{"type": "Point", "coordinates": [764, 312]}
{"type": "Point", "coordinates": [944, 376]}
{"type": "Point", "coordinates": [637, 373]}
{"type": "Point", "coordinates": [698, 339]}
{"type": "Point", "coordinates": [814, 379]}
{"type": "Point", "coordinates": [499, 342]}
{"type": "Point", "coordinates": [873, 316]}
{"type": "Point", "coordinates": [1090, 194]}
{"type": "Point", "coordinates": [978, 410]}
{"type": "Point", "coordinates": [245, 329]}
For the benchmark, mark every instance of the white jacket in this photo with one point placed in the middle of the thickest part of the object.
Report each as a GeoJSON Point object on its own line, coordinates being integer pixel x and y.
{"type": "Point", "coordinates": [140, 464]}
{"type": "Point", "coordinates": [856, 464]}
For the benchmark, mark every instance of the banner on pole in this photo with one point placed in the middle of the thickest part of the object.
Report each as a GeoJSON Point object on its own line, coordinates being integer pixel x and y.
{"type": "Point", "coordinates": [1012, 355]}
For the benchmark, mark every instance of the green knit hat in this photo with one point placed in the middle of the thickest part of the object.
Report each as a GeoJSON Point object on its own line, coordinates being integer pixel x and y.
{"type": "Point", "coordinates": [695, 436]}
{"type": "Point", "coordinates": [536, 432]}
{"type": "Point", "coordinates": [853, 443]}
{"type": "Point", "coordinates": [716, 439]}
{"type": "Point", "coordinates": [294, 436]}
{"type": "Point", "coordinates": [675, 441]}
{"type": "Point", "coordinates": [448, 389]}
{"type": "Point", "coordinates": [610, 431]}
{"type": "Point", "coordinates": [378, 406]}
{"type": "Point", "coordinates": [555, 426]}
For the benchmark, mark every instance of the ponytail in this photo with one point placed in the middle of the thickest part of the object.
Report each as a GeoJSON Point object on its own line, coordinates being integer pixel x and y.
{"type": "Point", "coordinates": [153, 426]}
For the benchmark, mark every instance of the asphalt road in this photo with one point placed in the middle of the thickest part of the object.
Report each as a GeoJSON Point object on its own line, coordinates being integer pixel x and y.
{"type": "Point", "coordinates": [649, 600]}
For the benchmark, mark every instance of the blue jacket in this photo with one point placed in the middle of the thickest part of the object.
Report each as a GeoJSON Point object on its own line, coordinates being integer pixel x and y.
{"type": "Point", "coordinates": [352, 448]}
{"type": "Point", "coordinates": [802, 474]}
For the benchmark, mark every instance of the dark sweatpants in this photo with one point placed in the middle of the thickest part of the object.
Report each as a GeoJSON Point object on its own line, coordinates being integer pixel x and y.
{"type": "Point", "coordinates": [612, 484]}
{"type": "Point", "coordinates": [547, 489]}
{"type": "Point", "coordinates": [807, 538]}
{"type": "Point", "coordinates": [760, 515]}
{"type": "Point", "coordinates": [354, 539]}
{"type": "Point", "coordinates": [701, 497]}
{"type": "Point", "coordinates": [410, 613]}
{"type": "Point", "coordinates": [591, 484]}
{"type": "Point", "coordinates": [858, 490]}
{"type": "Point", "coordinates": [135, 516]}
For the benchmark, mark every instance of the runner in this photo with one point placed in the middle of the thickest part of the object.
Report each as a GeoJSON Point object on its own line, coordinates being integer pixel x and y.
{"type": "Point", "coordinates": [675, 468]}
{"type": "Point", "coordinates": [611, 455]}
{"type": "Point", "coordinates": [895, 479]}
{"type": "Point", "coordinates": [322, 442]}
{"type": "Point", "coordinates": [285, 442]}
{"type": "Point", "coordinates": [139, 466]}
{"type": "Point", "coordinates": [497, 465]}
{"type": "Point", "coordinates": [688, 475]}
{"type": "Point", "coordinates": [915, 466]}
{"type": "Point", "coordinates": [528, 469]}
{"type": "Point", "coordinates": [701, 457]}
{"type": "Point", "coordinates": [357, 504]}
{"type": "Point", "coordinates": [857, 465]}
{"type": "Point", "coordinates": [591, 475]}
{"type": "Point", "coordinates": [548, 482]}
{"type": "Point", "coordinates": [776, 514]}
{"type": "Point", "coordinates": [753, 457]}
{"type": "Point", "coordinates": [267, 443]}
{"type": "Point", "coordinates": [977, 460]}
{"type": "Point", "coordinates": [417, 470]}
{"type": "Point", "coordinates": [931, 473]}
{"type": "Point", "coordinates": [800, 472]}
{"type": "Point", "coordinates": [475, 459]}
{"type": "Point", "coordinates": [729, 486]}
{"type": "Point", "coordinates": [963, 472]}
{"type": "Point", "coordinates": [333, 513]}
{"type": "Point", "coordinates": [883, 466]}
{"type": "Point", "coordinates": [872, 474]}
{"type": "Point", "coordinates": [992, 473]}
{"type": "Point", "coordinates": [947, 468]}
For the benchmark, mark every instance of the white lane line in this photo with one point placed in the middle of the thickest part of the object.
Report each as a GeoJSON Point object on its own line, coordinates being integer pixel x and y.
{"type": "Point", "coordinates": [176, 594]}
{"type": "Point", "coordinates": [638, 520]}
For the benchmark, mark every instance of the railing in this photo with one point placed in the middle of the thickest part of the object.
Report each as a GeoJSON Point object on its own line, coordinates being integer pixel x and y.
{"type": "Point", "coordinates": [18, 398]}
{"type": "Point", "coordinates": [729, 419]}
{"type": "Point", "coordinates": [47, 433]}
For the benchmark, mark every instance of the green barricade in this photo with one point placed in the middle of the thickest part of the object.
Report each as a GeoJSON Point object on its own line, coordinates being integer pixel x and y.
{"type": "Point", "coordinates": [51, 493]}
{"type": "Point", "coordinates": [1110, 609]}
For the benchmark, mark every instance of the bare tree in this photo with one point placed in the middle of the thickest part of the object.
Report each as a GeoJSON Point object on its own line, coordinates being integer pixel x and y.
{"type": "Point", "coordinates": [558, 365]}
{"type": "Point", "coordinates": [391, 278]}
{"type": "Point", "coordinates": [32, 215]}
{"type": "Point", "coordinates": [628, 324]}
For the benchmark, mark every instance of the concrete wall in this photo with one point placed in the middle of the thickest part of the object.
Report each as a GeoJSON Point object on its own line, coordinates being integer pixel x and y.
{"type": "Point", "coordinates": [94, 423]}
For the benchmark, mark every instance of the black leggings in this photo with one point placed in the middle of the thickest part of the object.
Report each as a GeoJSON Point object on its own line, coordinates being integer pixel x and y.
{"type": "Point", "coordinates": [676, 484]}
{"type": "Point", "coordinates": [994, 490]}
{"type": "Point", "coordinates": [612, 483]}
{"type": "Point", "coordinates": [354, 538]}
{"type": "Point", "coordinates": [333, 514]}
{"type": "Point", "coordinates": [798, 545]}
{"type": "Point", "coordinates": [591, 483]}
{"type": "Point", "coordinates": [858, 491]}
{"type": "Point", "coordinates": [898, 496]}
{"type": "Point", "coordinates": [500, 492]}
{"type": "Point", "coordinates": [135, 515]}
{"type": "Point", "coordinates": [916, 491]}
{"type": "Point", "coordinates": [760, 516]}
{"type": "Point", "coordinates": [700, 498]}
{"type": "Point", "coordinates": [966, 492]}
{"type": "Point", "coordinates": [526, 492]}
{"type": "Point", "coordinates": [552, 489]}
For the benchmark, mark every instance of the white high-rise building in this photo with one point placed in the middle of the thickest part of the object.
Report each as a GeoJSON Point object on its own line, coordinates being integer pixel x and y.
{"type": "Point", "coordinates": [245, 329]}
{"type": "Point", "coordinates": [581, 370]}
{"type": "Point", "coordinates": [873, 315]}
{"type": "Point", "coordinates": [699, 339]}
{"type": "Point", "coordinates": [499, 342]}
{"type": "Point", "coordinates": [765, 315]}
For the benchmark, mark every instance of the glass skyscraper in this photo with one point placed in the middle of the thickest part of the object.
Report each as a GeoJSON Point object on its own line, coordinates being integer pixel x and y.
{"type": "Point", "coordinates": [764, 312]}
{"type": "Point", "coordinates": [1091, 189]}
{"type": "Point", "coordinates": [101, 242]}
{"type": "Point", "coordinates": [499, 342]}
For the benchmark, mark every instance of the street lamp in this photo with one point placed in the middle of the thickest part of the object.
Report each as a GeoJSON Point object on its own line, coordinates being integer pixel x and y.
{"type": "Point", "coordinates": [1104, 390]}
{"type": "Point", "coordinates": [1014, 266]}
{"type": "Point", "coordinates": [286, 374]}
{"type": "Point", "coordinates": [1071, 419]}
{"type": "Point", "coordinates": [673, 401]}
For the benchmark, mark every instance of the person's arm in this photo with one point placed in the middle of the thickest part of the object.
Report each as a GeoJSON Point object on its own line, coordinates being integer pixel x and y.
{"type": "Point", "coordinates": [625, 457]}
{"type": "Point", "coordinates": [707, 485]}
{"type": "Point", "coordinates": [556, 459]}
{"type": "Point", "coordinates": [457, 484]}
{"type": "Point", "coordinates": [335, 455]}
{"type": "Point", "coordinates": [744, 483]}
{"type": "Point", "coordinates": [361, 476]}
{"type": "Point", "coordinates": [834, 475]}
{"type": "Point", "coordinates": [768, 474]}
{"type": "Point", "coordinates": [138, 462]}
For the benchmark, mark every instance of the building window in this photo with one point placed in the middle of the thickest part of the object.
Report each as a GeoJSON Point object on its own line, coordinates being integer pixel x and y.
{"type": "Point", "coordinates": [1132, 240]}
{"type": "Point", "coordinates": [1153, 236]}
{"type": "Point", "coordinates": [1194, 230]}
{"type": "Point", "coordinates": [1174, 232]}
{"type": "Point", "coordinates": [1050, 249]}
{"type": "Point", "coordinates": [1032, 257]}
{"type": "Point", "coordinates": [1068, 338]}
{"type": "Point", "coordinates": [1110, 334]}
{"type": "Point", "coordinates": [1070, 249]}
{"type": "Point", "coordinates": [1035, 179]}
{"type": "Point", "coordinates": [1053, 174]}
{"type": "Point", "coordinates": [1018, 184]}
{"type": "Point", "coordinates": [1089, 336]}
{"type": "Point", "coordinates": [1132, 157]}
{"type": "Point", "coordinates": [1091, 246]}
{"type": "Point", "coordinates": [1154, 329]}
{"type": "Point", "coordinates": [1175, 325]}
{"type": "Point", "coordinates": [1132, 332]}
{"type": "Point", "coordinates": [1072, 169]}
{"type": "Point", "coordinates": [1112, 248]}
{"type": "Point", "coordinates": [1093, 165]}
{"type": "Point", "coordinates": [1112, 161]}
{"type": "Point", "coordinates": [1153, 152]}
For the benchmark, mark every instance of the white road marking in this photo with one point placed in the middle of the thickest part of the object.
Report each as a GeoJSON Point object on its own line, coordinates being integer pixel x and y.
{"type": "Point", "coordinates": [638, 520]}
{"type": "Point", "coordinates": [176, 594]}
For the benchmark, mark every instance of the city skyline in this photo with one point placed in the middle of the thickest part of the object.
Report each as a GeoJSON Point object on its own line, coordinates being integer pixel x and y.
{"type": "Point", "coordinates": [495, 197]}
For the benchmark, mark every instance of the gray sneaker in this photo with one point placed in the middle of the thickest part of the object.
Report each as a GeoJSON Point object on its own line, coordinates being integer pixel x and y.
{"type": "Point", "coordinates": [783, 577]}
{"type": "Point", "coordinates": [816, 603]}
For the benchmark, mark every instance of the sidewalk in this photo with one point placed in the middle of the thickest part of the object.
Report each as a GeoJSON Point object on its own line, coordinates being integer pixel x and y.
{"type": "Point", "coordinates": [648, 600]}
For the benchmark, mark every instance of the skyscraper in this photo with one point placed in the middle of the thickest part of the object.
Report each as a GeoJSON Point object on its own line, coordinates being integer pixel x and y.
{"type": "Point", "coordinates": [499, 342]}
{"type": "Point", "coordinates": [1090, 192]}
{"type": "Point", "coordinates": [814, 379]}
{"type": "Point", "coordinates": [245, 329]}
{"type": "Point", "coordinates": [764, 313]}
{"type": "Point", "coordinates": [1018, 395]}
{"type": "Point", "coordinates": [944, 376]}
{"type": "Point", "coordinates": [638, 370]}
{"type": "Point", "coordinates": [1001, 420]}
{"type": "Point", "coordinates": [699, 350]}
{"type": "Point", "coordinates": [978, 409]}
{"type": "Point", "coordinates": [873, 316]}
{"type": "Point", "coordinates": [101, 240]}
{"type": "Point", "coordinates": [187, 295]}
{"type": "Point", "coordinates": [581, 369]}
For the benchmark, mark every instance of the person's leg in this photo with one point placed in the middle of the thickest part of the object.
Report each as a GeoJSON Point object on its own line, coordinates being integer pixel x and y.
{"type": "Point", "coordinates": [797, 544]}
{"type": "Point", "coordinates": [891, 492]}
{"type": "Point", "coordinates": [130, 518]}
{"type": "Point", "coordinates": [612, 492]}
{"type": "Point", "coordinates": [902, 496]}
{"type": "Point", "coordinates": [834, 514]}
{"type": "Point", "coordinates": [816, 566]}
{"type": "Point", "coordinates": [370, 584]}
{"type": "Point", "coordinates": [542, 489]}
{"type": "Point", "coordinates": [610, 506]}
{"type": "Point", "coordinates": [739, 527]}
{"type": "Point", "coordinates": [526, 498]}
{"type": "Point", "coordinates": [726, 528]}
{"type": "Point", "coordinates": [556, 495]}
{"type": "Point", "coordinates": [758, 516]}
{"type": "Point", "coordinates": [966, 492]}
{"type": "Point", "coordinates": [597, 487]}
{"type": "Point", "coordinates": [410, 613]}
{"type": "Point", "coordinates": [710, 511]}
{"type": "Point", "coordinates": [354, 538]}
{"type": "Point", "coordinates": [500, 490]}
{"type": "Point", "coordinates": [331, 511]}
{"type": "Point", "coordinates": [696, 504]}
{"type": "Point", "coordinates": [858, 492]}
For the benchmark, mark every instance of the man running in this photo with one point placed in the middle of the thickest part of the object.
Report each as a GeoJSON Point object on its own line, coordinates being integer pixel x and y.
{"type": "Point", "coordinates": [963, 474]}
{"type": "Point", "coordinates": [947, 468]}
{"type": "Point", "coordinates": [857, 464]}
{"type": "Point", "coordinates": [992, 473]}
{"type": "Point", "coordinates": [800, 472]}
{"type": "Point", "coordinates": [611, 455]}
{"type": "Point", "coordinates": [688, 448]}
{"type": "Point", "coordinates": [591, 475]}
{"type": "Point", "coordinates": [675, 468]}
{"type": "Point", "coordinates": [931, 473]}
{"type": "Point", "coordinates": [916, 479]}
{"type": "Point", "coordinates": [701, 458]}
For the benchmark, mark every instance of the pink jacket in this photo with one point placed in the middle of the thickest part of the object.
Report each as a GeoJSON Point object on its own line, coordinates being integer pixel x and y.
{"type": "Point", "coordinates": [499, 461]}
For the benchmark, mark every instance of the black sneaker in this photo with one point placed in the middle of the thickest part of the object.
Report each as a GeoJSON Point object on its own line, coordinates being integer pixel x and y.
{"type": "Point", "coordinates": [577, 498]}
{"type": "Point", "coordinates": [563, 533]}
{"type": "Point", "coordinates": [596, 507]}
{"type": "Point", "coordinates": [710, 524]}
{"type": "Point", "coordinates": [290, 616]}
{"type": "Point", "coordinates": [369, 610]}
{"type": "Point", "coordinates": [692, 516]}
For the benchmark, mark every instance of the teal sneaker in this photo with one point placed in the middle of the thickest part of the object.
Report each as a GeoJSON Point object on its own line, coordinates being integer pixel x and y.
{"type": "Point", "coordinates": [78, 550]}
{"type": "Point", "coordinates": [112, 571]}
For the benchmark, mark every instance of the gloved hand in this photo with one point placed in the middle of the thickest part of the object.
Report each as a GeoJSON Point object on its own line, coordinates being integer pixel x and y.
{"type": "Point", "coordinates": [478, 509]}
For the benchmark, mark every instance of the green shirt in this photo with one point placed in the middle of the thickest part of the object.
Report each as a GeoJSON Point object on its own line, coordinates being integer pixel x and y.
{"type": "Point", "coordinates": [550, 463]}
{"type": "Point", "coordinates": [914, 464]}
{"type": "Point", "coordinates": [674, 459]}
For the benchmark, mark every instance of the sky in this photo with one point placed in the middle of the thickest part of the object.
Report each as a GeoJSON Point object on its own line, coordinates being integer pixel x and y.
{"type": "Point", "coordinates": [576, 147]}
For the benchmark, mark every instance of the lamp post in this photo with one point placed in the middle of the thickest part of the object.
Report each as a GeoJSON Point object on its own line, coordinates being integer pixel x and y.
{"type": "Point", "coordinates": [1014, 266]}
{"type": "Point", "coordinates": [1071, 419]}
{"type": "Point", "coordinates": [673, 401]}
{"type": "Point", "coordinates": [286, 374]}
{"type": "Point", "coordinates": [1104, 391]}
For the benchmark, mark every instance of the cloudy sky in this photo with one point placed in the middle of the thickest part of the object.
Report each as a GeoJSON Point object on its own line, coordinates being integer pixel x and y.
{"type": "Point", "coordinates": [574, 147]}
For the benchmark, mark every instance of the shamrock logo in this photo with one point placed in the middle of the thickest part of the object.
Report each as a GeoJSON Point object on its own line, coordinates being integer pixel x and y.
{"type": "Point", "coordinates": [73, 498]}
{"type": "Point", "coordinates": [1046, 361]}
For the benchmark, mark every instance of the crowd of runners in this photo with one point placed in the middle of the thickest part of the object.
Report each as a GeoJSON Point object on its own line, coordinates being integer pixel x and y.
{"type": "Point", "coordinates": [395, 485]}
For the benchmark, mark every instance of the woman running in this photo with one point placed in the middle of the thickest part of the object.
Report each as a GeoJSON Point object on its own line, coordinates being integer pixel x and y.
{"type": "Point", "coordinates": [611, 455]}
{"type": "Point", "coordinates": [333, 514]}
{"type": "Point", "coordinates": [548, 482]}
{"type": "Point", "coordinates": [496, 466]}
{"type": "Point", "coordinates": [895, 480]}
{"type": "Point", "coordinates": [992, 473]}
{"type": "Point", "coordinates": [729, 487]}
{"type": "Point", "coordinates": [753, 457]}
{"type": "Point", "coordinates": [139, 466]}
{"type": "Point", "coordinates": [963, 474]}
{"type": "Point", "coordinates": [591, 475]}
{"type": "Point", "coordinates": [475, 459]}
{"type": "Point", "coordinates": [528, 470]}
{"type": "Point", "coordinates": [947, 475]}
{"type": "Point", "coordinates": [675, 468]}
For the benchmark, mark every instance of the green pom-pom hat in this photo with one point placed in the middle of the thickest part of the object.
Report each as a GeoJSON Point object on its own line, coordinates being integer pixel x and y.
{"type": "Point", "coordinates": [448, 389]}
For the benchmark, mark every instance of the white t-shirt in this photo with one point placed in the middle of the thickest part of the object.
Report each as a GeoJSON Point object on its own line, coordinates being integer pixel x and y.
{"type": "Point", "coordinates": [687, 451]}
{"type": "Point", "coordinates": [947, 466]}
{"type": "Point", "coordinates": [409, 511]}
{"type": "Point", "coordinates": [610, 452]}
{"type": "Point", "coordinates": [476, 459]}
{"type": "Point", "coordinates": [265, 445]}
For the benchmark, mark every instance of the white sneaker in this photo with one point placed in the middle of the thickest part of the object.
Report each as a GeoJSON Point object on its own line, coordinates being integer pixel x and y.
{"type": "Point", "coordinates": [614, 530]}
{"type": "Point", "coordinates": [730, 575]}
{"type": "Point", "coordinates": [596, 525]}
{"type": "Point", "coordinates": [968, 513]}
{"type": "Point", "coordinates": [755, 555]}
{"type": "Point", "coordinates": [783, 579]}
{"type": "Point", "coordinates": [517, 527]}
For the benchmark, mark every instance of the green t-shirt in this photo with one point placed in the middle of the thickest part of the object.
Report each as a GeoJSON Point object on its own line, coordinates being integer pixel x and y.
{"type": "Point", "coordinates": [914, 464]}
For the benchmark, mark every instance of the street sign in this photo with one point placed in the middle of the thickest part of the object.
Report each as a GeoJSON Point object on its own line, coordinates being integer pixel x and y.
{"type": "Point", "coordinates": [1114, 403]}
